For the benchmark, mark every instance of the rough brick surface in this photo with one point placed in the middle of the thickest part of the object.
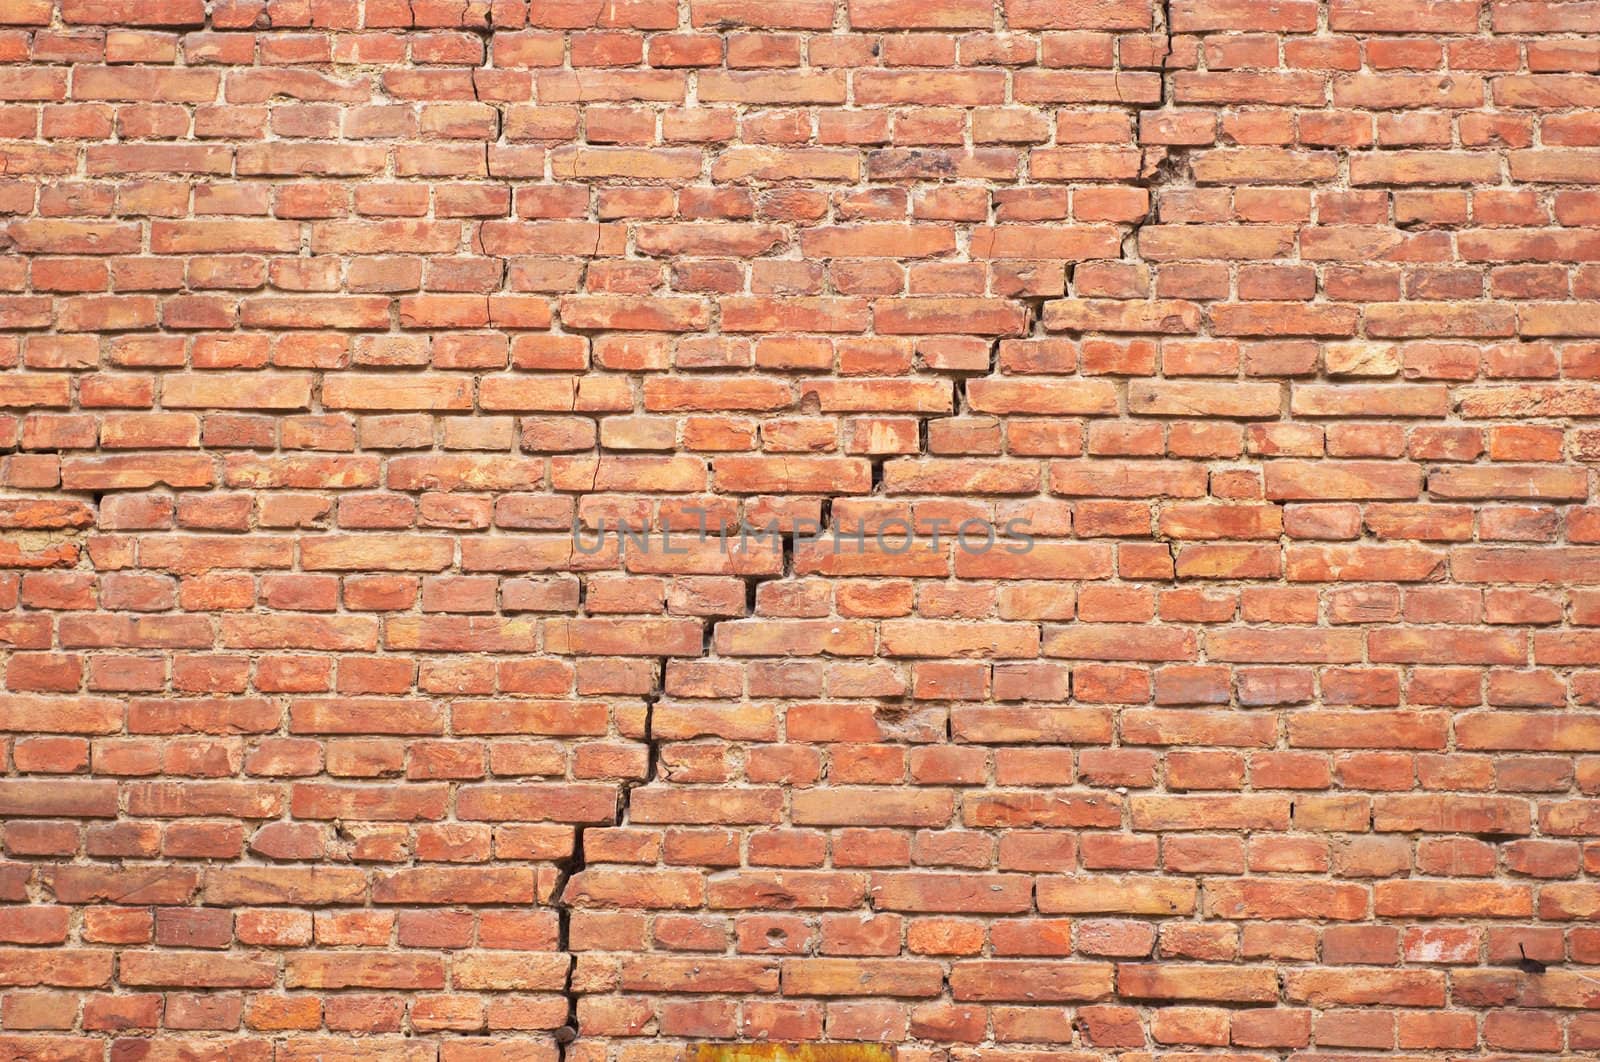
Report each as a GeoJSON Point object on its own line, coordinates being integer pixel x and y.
{"type": "Point", "coordinates": [1278, 321]}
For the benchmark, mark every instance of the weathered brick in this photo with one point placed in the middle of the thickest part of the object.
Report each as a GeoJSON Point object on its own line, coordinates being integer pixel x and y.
{"type": "Point", "coordinates": [1129, 561]}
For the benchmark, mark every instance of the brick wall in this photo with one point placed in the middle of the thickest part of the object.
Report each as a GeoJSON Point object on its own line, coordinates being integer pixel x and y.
{"type": "Point", "coordinates": [325, 319]}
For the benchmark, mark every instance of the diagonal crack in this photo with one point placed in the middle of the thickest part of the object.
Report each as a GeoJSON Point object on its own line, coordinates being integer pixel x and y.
{"type": "Point", "coordinates": [1160, 166]}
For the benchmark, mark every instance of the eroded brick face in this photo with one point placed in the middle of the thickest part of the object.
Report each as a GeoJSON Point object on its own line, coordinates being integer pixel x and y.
{"type": "Point", "coordinates": [325, 320]}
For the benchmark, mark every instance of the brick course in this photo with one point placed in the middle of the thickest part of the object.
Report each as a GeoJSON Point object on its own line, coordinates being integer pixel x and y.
{"type": "Point", "coordinates": [324, 320]}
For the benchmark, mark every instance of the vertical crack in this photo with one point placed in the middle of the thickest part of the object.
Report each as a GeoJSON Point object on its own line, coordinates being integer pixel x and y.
{"type": "Point", "coordinates": [485, 30]}
{"type": "Point", "coordinates": [568, 869]}
{"type": "Point", "coordinates": [651, 745]}
{"type": "Point", "coordinates": [1164, 164]}
{"type": "Point", "coordinates": [577, 861]}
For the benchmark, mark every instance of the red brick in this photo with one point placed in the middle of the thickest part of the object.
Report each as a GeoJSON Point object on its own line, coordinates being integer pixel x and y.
{"type": "Point", "coordinates": [318, 720]}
